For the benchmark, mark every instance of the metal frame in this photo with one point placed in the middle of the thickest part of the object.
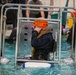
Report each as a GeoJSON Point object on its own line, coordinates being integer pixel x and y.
{"type": "Point", "coordinates": [19, 18]}
{"type": "Point", "coordinates": [17, 45]}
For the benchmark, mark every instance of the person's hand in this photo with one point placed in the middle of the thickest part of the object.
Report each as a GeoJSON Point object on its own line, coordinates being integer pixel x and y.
{"type": "Point", "coordinates": [38, 29]}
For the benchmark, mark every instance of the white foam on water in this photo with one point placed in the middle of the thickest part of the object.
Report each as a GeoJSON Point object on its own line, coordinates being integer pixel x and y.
{"type": "Point", "coordinates": [4, 60]}
{"type": "Point", "coordinates": [68, 60]}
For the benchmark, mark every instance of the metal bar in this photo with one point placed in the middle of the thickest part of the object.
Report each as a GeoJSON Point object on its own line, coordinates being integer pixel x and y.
{"type": "Point", "coordinates": [32, 9]}
{"type": "Point", "coordinates": [42, 61]}
{"type": "Point", "coordinates": [73, 32]}
{"type": "Point", "coordinates": [75, 49]}
{"type": "Point", "coordinates": [17, 37]}
{"type": "Point", "coordinates": [1, 32]}
{"type": "Point", "coordinates": [11, 4]}
{"type": "Point", "coordinates": [73, 35]}
{"type": "Point", "coordinates": [41, 6]}
{"type": "Point", "coordinates": [60, 35]}
{"type": "Point", "coordinates": [39, 9]}
{"type": "Point", "coordinates": [3, 36]}
{"type": "Point", "coordinates": [55, 23]}
{"type": "Point", "coordinates": [39, 18]}
{"type": "Point", "coordinates": [57, 34]}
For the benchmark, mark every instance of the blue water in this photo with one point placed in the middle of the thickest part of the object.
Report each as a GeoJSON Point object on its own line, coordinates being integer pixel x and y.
{"type": "Point", "coordinates": [62, 69]}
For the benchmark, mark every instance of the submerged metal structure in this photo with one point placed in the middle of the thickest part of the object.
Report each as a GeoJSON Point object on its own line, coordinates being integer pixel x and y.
{"type": "Point", "coordinates": [24, 27]}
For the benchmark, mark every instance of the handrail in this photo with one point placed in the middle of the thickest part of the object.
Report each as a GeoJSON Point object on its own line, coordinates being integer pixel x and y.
{"type": "Point", "coordinates": [47, 6]}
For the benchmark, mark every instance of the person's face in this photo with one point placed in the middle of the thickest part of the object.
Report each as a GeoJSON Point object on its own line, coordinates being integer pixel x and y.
{"type": "Point", "coordinates": [34, 0]}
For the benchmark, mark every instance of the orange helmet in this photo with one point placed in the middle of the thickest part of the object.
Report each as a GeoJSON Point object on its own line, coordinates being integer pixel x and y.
{"type": "Point", "coordinates": [41, 23]}
{"type": "Point", "coordinates": [73, 13]}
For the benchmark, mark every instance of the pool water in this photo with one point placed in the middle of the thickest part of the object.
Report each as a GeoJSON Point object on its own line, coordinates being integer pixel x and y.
{"type": "Point", "coordinates": [63, 69]}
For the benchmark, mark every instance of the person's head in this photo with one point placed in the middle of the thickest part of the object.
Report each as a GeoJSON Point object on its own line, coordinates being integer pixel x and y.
{"type": "Point", "coordinates": [35, 0]}
{"type": "Point", "coordinates": [41, 23]}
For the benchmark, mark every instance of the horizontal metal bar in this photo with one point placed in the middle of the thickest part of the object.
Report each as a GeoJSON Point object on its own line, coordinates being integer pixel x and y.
{"type": "Point", "coordinates": [8, 8]}
{"type": "Point", "coordinates": [24, 21]}
{"type": "Point", "coordinates": [39, 9]}
{"type": "Point", "coordinates": [42, 61]}
{"type": "Point", "coordinates": [57, 20]}
{"type": "Point", "coordinates": [35, 9]}
{"type": "Point", "coordinates": [11, 4]}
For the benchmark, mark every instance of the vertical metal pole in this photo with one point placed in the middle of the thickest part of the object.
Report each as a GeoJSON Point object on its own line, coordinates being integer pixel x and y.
{"type": "Point", "coordinates": [75, 49]}
{"type": "Point", "coordinates": [3, 37]}
{"type": "Point", "coordinates": [57, 34]}
{"type": "Point", "coordinates": [0, 34]}
{"type": "Point", "coordinates": [1, 31]}
{"type": "Point", "coordinates": [17, 36]}
{"type": "Point", "coordinates": [60, 35]}
{"type": "Point", "coordinates": [75, 34]}
{"type": "Point", "coordinates": [20, 15]}
{"type": "Point", "coordinates": [72, 39]}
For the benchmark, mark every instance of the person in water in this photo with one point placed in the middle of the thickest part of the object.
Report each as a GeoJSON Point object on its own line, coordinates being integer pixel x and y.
{"type": "Point", "coordinates": [42, 40]}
